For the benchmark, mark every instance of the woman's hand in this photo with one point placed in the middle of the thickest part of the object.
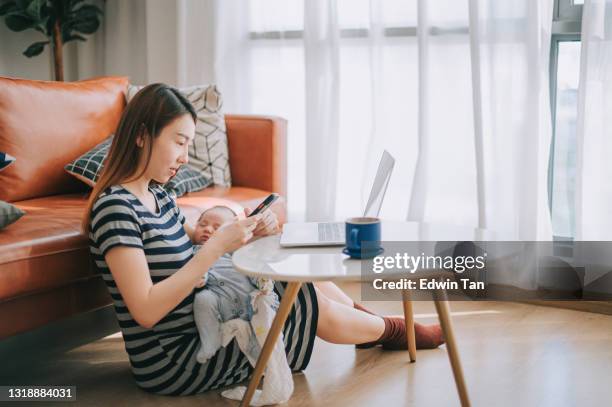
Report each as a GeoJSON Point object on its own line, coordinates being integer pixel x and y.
{"type": "Point", "coordinates": [268, 225]}
{"type": "Point", "coordinates": [233, 235]}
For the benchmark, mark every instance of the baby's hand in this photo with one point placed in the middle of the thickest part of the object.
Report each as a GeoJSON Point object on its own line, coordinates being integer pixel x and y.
{"type": "Point", "coordinates": [201, 283]}
{"type": "Point", "coordinates": [268, 223]}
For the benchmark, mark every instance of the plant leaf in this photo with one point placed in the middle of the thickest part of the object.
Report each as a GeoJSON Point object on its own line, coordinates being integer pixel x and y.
{"type": "Point", "coordinates": [72, 37]}
{"type": "Point", "coordinates": [59, 8]}
{"type": "Point", "coordinates": [34, 8]}
{"type": "Point", "coordinates": [87, 10]}
{"type": "Point", "coordinates": [50, 22]}
{"type": "Point", "coordinates": [17, 22]}
{"type": "Point", "coordinates": [7, 7]}
{"type": "Point", "coordinates": [87, 26]}
{"type": "Point", "coordinates": [35, 49]}
{"type": "Point", "coordinates": [23, 4]}
{"type": "Point", "coordinates": [74, 3]}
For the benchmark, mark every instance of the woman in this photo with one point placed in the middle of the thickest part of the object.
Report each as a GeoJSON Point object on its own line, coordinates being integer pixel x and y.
{"type": "Point", "coordinates": [143, 247]}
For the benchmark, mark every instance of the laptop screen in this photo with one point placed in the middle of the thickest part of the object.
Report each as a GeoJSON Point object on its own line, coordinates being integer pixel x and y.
{"type": "Point", "coordinates": [381, 181]}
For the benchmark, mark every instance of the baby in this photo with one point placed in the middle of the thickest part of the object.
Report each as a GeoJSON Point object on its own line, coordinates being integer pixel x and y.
{"type": "Point", "coordinates": [226, 293]}
{"type": "Point", "coordinates": [210, 220]}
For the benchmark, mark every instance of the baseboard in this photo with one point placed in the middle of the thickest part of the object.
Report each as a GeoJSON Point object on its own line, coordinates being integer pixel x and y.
{"type": "Point", "coordinates": [600, 307]}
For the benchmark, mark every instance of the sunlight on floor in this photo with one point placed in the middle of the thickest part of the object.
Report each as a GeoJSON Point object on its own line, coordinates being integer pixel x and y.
{"type": "Point", "coordinates": [458, 313]}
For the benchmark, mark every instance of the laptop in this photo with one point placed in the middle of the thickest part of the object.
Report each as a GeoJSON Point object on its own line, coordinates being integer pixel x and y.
{"type": "Point", "coordinates": [332, 233]}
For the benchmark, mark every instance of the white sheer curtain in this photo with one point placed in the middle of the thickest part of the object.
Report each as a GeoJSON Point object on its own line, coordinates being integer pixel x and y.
{"type": "Point", "coordinates": [352, 94]}
{"type": "Point", "coordinates": [460, 86]}
{"type": "Point", "coordinates": [121, 46]}
{"type": "Point", "coordinates": [594, 141]}
{"type": "Point", "coordinates": [321, 52]}
{"type": "Point", "coordinates": [511, 89]}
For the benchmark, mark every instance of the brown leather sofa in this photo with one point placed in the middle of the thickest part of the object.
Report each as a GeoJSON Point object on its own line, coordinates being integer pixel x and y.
{"type": "Point", "coordinates": [46, 273]}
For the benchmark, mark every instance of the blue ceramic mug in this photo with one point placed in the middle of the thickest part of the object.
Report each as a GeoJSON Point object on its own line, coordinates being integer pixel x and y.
{"type": "Point", "coordinates": [362, 237]}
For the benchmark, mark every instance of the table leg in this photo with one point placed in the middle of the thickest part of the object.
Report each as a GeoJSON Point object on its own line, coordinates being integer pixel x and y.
{"type": "Point", "coordinates": [409, 318]}
{"type": "Point", "coordinates": [453, 354]}
{"type": "Point", "coordinates": [291, 292]}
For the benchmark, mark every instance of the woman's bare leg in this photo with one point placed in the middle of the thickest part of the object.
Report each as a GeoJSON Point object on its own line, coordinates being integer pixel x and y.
{"type": "Point", "coordinates": [333, 292]}
{"type": "Point", "coordinates": [343, 324]}
{"type": "Point", "coordinates": [340, 323]}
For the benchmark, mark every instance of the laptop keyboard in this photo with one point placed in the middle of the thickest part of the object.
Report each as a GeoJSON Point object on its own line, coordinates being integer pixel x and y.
{"type": "Point", "coordinates": [331, 232]}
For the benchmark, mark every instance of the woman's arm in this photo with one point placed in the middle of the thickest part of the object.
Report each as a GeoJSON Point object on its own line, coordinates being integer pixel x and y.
{"type": "Point", "coordinates": [189, 231]}
{"type": "Point", "coordinates": [148, 303]}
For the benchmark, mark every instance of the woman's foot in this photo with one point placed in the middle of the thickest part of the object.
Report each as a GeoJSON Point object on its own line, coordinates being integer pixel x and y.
{"type": "Point", "coordinates": [395, 337]}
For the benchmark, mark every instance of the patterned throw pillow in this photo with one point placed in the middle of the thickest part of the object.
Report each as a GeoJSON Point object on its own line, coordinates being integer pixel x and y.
{"type": "Point", "coordinates": [87, 168]}
{"type": "Point", "coordinates": [186, 180]}
{"type": "Point", "coordinates": [9, 214]}
{"type": "Point", "coordinates": [209, 152]}
{"type": "Point", "coordinates": [5, 160]}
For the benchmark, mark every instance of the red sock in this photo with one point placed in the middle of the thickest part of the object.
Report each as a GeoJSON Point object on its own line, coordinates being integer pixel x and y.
{"type": "Point", "coordinates": [394, 336]}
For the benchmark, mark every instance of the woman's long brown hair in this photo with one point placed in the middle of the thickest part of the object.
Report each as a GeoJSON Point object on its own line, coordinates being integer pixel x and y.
{"type": "Point", "coordinates": [152, 108]}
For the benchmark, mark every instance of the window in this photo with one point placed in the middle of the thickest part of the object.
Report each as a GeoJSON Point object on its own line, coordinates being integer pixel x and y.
{"type": "Point", "coordinates": [564, 74]}
{"type": "Point", "coordinates": [276, 39]}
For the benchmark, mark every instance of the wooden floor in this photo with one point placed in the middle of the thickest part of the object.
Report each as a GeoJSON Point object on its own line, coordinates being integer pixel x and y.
{"type": "Point", "coordinates": [512, 354]}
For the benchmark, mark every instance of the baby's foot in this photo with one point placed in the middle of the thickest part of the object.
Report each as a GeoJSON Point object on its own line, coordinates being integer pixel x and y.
{"type": "Point", "coordinates": [202, 356]}
{"type": "Point", "coordinates": [205, 353]}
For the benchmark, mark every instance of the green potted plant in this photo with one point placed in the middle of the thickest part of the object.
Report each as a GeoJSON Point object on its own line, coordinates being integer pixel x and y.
{"type": "Point", "coordinates": [61, 21]}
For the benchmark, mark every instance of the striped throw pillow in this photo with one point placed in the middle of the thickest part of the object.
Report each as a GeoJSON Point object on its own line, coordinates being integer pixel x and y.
{"type": "Point", "coordinates": [209, 152]}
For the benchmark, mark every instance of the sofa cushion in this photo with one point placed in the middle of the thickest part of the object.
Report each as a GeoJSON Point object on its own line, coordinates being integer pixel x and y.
{"type": "Point", "coordinates": [45, 125]}
{"type": "Point", "coordinates": [46, 249]}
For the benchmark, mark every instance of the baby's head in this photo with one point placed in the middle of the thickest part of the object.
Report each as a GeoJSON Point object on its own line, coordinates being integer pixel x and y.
{"type": "Point", "coordinates": [210, 220]}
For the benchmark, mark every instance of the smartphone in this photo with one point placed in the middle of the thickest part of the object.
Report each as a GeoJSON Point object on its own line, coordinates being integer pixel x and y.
{"type": "Point", "coordinates": [265, 204]}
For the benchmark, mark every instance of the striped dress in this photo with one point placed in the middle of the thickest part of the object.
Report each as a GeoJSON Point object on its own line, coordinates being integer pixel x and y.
{"type": "Point", "coordinates": [163, 358]}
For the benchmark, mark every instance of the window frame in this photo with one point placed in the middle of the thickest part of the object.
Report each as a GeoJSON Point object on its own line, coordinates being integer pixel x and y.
{"type": "Point", "coordinates": [567, 10]}
{"type": "Point", "coordinates": [566, 27]}
{"type": "Point", "coordinates": [397, 31]}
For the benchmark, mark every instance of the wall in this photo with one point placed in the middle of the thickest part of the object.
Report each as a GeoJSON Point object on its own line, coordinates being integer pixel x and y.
{"type": "Point", "coordinates": [13, 63]}
{"type": "Point", "coordinates": [147, 40]}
